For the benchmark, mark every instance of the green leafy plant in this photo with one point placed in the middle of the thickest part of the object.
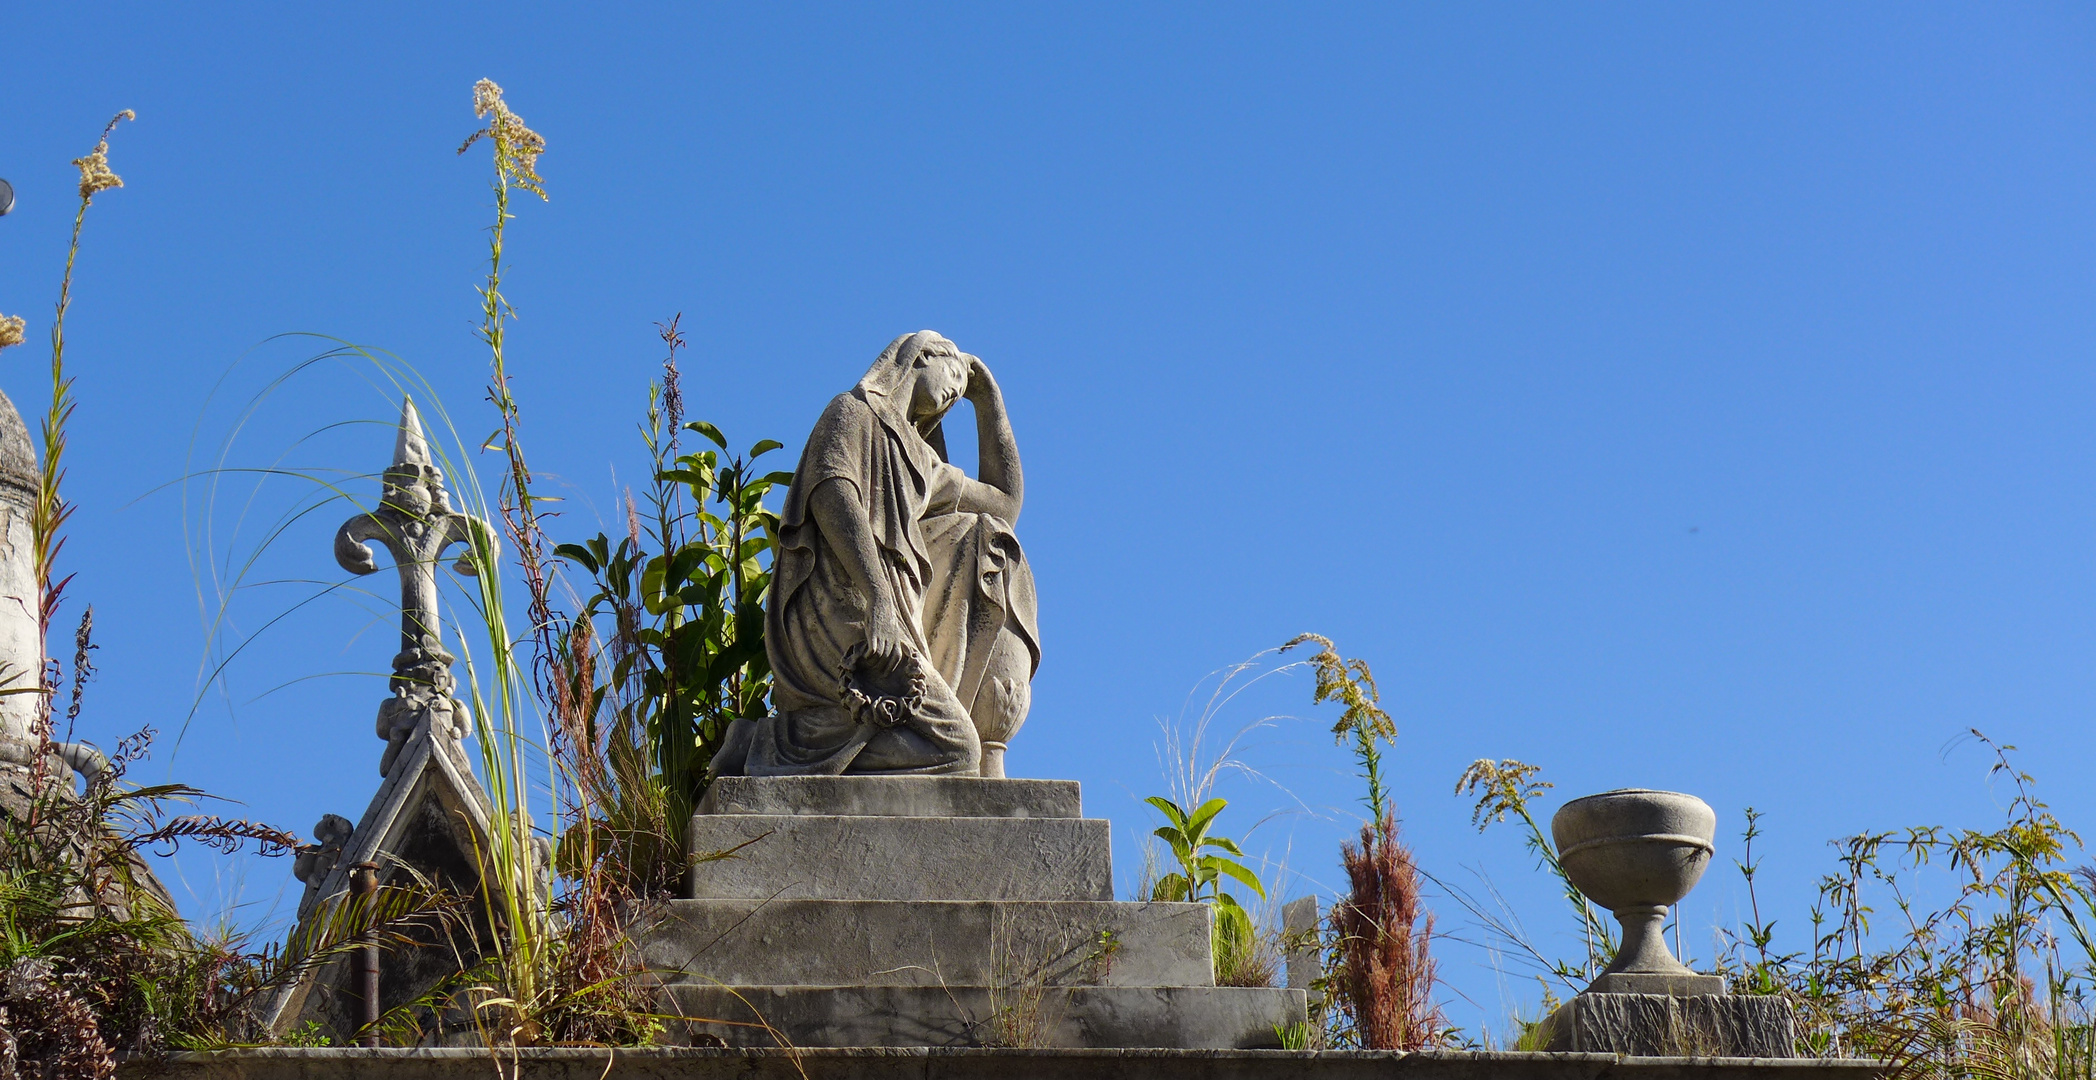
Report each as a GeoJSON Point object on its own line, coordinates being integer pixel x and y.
{"type": "Point", "coordinates": [669, 649]}
{"type": "Point", "coordinates": [1204, 860]}
{"type": "Point", "coordinates": [1996, 982]}
{"type": "Point", "coordinates": [1761, 973]}
{"type": "Point", "coordinates": [308, 1034]}
{"type": "Point", "coordinates": [1201, 870]}
{"type": "Point", "coordinates": [683, 597]}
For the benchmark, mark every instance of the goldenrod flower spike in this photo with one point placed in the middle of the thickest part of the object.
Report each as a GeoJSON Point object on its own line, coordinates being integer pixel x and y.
{"type": "Point", "coordinates": [95, 175]}
{"type": "Point", "coordinates": [517, 148]}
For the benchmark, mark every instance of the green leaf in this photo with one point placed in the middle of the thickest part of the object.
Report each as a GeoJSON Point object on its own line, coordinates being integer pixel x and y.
{"type": "Point", "coordinates": [1170, 810]}
{"type": "Point", "coordinates": [1180, 848]}
{"type": "Point", "coordinates": [1223, 842]}
{"type": "Point", "coordinates": [1236, 870]}
{"type": "Point", "coordinates": [763, 447]}
{"type": "Point", "coordinates": [1205, 814]}
{"type": "Point", "coordinates": [708, 430]}
{"type": "Point", "coordinates": [579, 555]}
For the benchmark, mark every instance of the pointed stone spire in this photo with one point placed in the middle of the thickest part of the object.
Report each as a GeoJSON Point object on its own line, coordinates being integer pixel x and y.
{"type": "Point", "coordinates": [409, 447]}
{"type": "Point", "coordinates": [416, 524]}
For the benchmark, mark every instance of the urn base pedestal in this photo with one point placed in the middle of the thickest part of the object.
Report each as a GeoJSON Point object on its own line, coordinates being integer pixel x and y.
{"type": "Point", "coordinates": [1687, 984]}
{"type": "Point", "coordinates": [993, 760]}
{"type": "Point", "coordinates": [1668, 1025]}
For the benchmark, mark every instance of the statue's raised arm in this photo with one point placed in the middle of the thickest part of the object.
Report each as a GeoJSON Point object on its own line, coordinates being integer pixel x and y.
{"type": "Point", "coordinates": [1001, 489]}
{"type": "Point", "coordinates": [901, 622]}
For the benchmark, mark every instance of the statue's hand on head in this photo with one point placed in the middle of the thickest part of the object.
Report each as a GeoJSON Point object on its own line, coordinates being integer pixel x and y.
{"type": "Point", "coordinates": [980, 384]}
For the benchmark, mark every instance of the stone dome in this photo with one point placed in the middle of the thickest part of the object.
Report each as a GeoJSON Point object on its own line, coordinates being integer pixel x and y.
{"type": "Point", "coordinates": [21, 639]}
{"type": "Point", "coordinates": [18, 479]}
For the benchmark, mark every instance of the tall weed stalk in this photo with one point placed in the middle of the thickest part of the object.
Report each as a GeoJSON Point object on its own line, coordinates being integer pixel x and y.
{"type": "Point", "coordinates": [52, 509]}
{"type": "Point", "coordinates": [94, 959]}
{"type": "Point", "coordinates": [508, 1010]}
{"type": "Point", "coordinates": [1510, 787]}
{"type": "Point", "coordinates": [1382, 969]}
{"type": "Point", "coordinates": [562, 969]}
{"type": "Point", "coordinates": [48, 517]}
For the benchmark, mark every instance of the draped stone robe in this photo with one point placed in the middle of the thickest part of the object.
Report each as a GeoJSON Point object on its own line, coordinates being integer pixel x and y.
{"type": "Point", "coordinates": [959, 581]}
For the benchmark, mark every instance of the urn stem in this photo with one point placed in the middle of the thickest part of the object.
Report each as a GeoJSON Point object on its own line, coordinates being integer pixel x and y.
{"type": "Point", "coordinates": [1644, 950]}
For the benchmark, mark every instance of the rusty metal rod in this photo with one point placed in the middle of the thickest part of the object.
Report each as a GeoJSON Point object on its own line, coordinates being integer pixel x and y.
{"type": "Point", "coordinates": [363, 881]}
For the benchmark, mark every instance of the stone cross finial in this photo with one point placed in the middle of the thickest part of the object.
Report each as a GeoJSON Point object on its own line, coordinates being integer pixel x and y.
{"type": "Point", "coordinates": [416, 524]}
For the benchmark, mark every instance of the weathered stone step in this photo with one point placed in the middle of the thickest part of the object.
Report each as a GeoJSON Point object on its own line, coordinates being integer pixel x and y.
{"type": "Point", "coordinates": [930, 943]}
{"type": "Point", "coordinates": [893, 796]}
{"type": "Point", "coordinates": [962, 1063]}
{"type": "Point", "coordinates": [1197, 1017]}
{"type": "Point", "coordinates": [807, 857]}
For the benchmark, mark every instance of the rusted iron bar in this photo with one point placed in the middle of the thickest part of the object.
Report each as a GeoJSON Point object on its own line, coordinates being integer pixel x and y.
{"type": "Point", "coordinates": [363, 881]}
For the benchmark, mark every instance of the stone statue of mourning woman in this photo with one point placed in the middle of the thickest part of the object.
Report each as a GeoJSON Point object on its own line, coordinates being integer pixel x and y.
{"type": "Point", "coordinates": [901, 623]}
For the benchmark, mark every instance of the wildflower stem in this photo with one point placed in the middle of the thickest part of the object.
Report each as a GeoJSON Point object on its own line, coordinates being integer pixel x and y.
{"type": "Point", "coordinates": [48, 519]}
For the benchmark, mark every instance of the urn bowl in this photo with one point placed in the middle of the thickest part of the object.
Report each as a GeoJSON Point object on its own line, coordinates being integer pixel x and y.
{"type": "Point", "coordinates": [1634, 848]}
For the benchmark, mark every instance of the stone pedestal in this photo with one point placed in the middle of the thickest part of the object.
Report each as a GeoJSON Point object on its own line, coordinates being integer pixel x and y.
{"type": "Point", "coordinates": [1648, 983]}
{"type": "Point", "coordinates": [1665, 1025]}
{"type": "Point", "coordinates": [934, 911]}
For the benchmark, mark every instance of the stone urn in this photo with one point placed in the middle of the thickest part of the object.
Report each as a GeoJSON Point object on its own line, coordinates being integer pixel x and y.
{"type": "Point", "coordinates": [1001, 704]}
{"type": "Point", "coordinates": [1637, 853]}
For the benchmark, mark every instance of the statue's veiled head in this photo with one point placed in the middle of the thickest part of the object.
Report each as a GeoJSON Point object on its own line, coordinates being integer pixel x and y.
{"type": "Point", "coordinates": [917, 379]}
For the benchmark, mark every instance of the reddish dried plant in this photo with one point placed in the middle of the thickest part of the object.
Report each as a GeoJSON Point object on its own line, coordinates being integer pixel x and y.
{"type": "Point", "coordinates": [1385, 976]}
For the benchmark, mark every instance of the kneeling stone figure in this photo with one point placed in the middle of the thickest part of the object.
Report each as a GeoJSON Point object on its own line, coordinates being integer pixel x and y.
{"type": "Point", "coordinates": [901, 624]}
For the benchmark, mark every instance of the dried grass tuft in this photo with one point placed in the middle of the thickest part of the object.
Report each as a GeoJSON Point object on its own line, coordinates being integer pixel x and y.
{"type": "Point", "coordinates": [1385, 980]}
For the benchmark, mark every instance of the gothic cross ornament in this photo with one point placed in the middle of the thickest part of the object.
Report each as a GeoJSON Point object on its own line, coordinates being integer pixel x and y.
{"type": "Point", "coordinates": [416, 524]}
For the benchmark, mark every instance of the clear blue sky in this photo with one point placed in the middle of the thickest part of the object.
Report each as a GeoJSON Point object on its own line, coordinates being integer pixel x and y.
{"type": "Point", "coordinates": [1691, 397]}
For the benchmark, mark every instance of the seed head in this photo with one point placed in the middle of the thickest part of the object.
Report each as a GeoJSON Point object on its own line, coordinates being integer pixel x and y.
{"type": "Point", "coordinates": [95, 174]}
{"type": "Point", "coordinates": [12, 330]}
{"type": "Point", "coordinates": [517, 148]}
{"type": "Point", "coordinates": [486, 96]}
